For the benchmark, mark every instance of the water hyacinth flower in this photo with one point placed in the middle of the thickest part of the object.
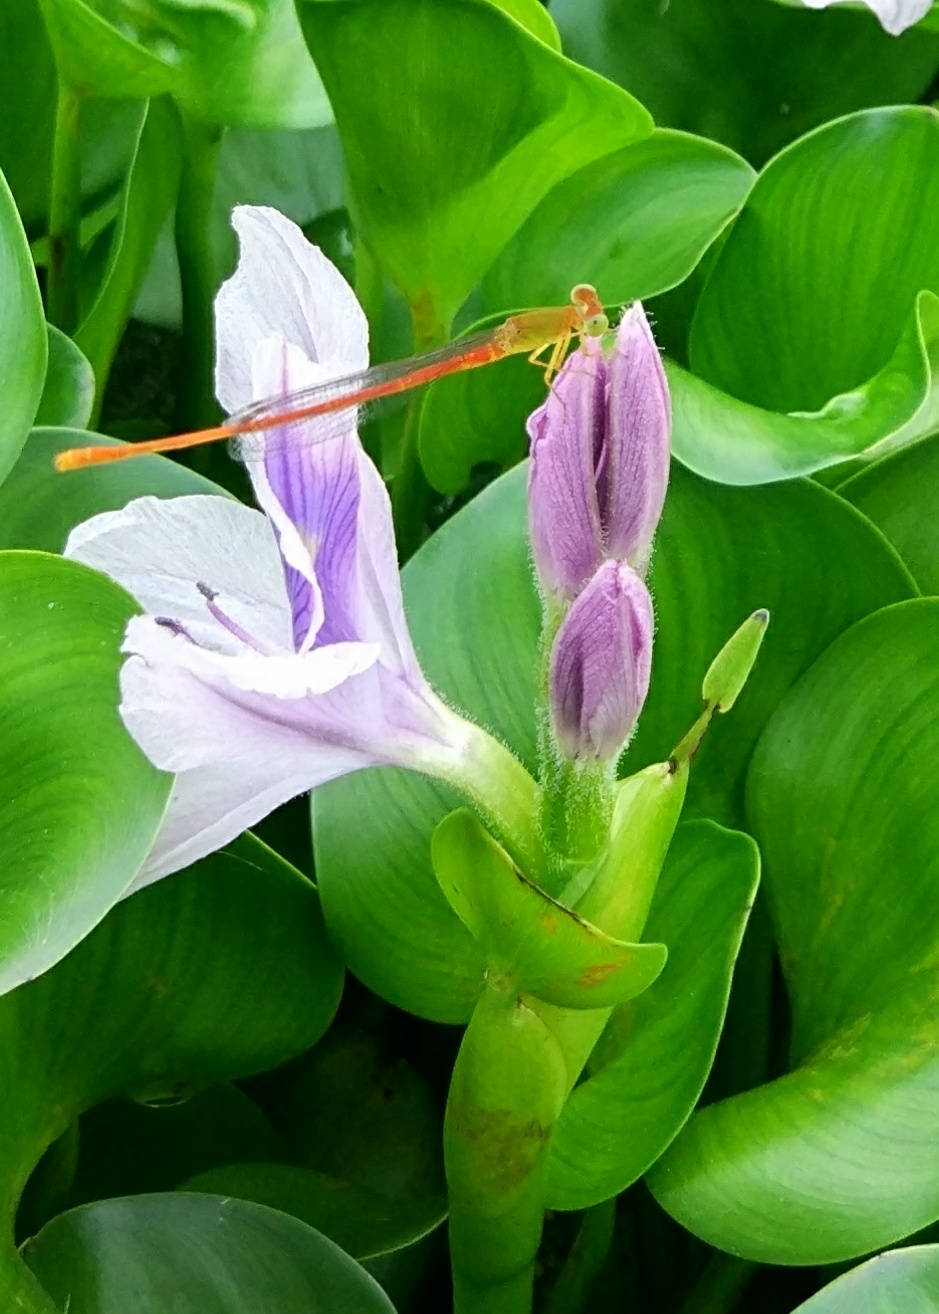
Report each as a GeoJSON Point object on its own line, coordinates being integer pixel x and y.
{"type": "Point", "coordinates": [600, 665]}
{"type": "Point", "coordinates": [895, 15]}
{"type": "Point", "coordinates": [599, 459]}
{"type": "Point", "coordinates": [273, 654]}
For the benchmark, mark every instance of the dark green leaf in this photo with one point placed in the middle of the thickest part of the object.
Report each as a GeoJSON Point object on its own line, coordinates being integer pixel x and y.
{"type": "Point", "coordinates": [746, 72]}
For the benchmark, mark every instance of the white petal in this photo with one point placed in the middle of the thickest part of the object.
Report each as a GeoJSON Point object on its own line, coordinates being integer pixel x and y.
{"type": "Point", "coordinates": [283, 285]}
{"type": "Point", "coordinates": [895, 15]}
{"type": "Point", "coordinates": [160, 550]}
{"type": "Point", "coordinates": [210, 806]}
{"type": "Point", "coordinates": [281, 675]}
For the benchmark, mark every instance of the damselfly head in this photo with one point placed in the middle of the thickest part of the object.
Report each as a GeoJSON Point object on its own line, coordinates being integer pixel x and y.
{"type": "Point", "coordinates": [593, 319]}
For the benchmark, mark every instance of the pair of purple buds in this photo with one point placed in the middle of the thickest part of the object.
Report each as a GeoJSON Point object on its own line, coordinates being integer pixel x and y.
{"type": "Point", "coordinates": [599, 472]}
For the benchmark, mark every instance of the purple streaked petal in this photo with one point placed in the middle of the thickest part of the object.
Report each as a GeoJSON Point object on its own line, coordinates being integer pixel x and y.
{"type": "Point", "coordinates": [601, 663]}
{"type": "Point", "coordinates": [639, 423]}
{"type": "Point", "coordinates": [283, 286]}
{"type": "Point", "coordinates": [160, 550]}
{"type": "Point", "coordinates": [567, 447]}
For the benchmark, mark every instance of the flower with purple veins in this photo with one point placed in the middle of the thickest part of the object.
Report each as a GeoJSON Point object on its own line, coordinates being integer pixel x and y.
{"type": "Point", "coordinates": [274, 654]}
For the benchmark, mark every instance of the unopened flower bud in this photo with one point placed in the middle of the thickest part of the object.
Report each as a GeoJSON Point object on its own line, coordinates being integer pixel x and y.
{"type": "Point", "coordinates": [600, 664]}
{"type": "Point", "coordinates": [600, 452]}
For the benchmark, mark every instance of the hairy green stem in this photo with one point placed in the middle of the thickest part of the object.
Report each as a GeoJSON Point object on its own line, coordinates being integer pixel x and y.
{"type": "Point", "coordinates": [65, 212]}
{"type": "Point", "coordinates": [196, 406]}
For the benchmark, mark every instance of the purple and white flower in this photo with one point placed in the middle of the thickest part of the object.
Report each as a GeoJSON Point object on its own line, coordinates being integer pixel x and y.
{"type": "Point", "coordinates": [273, 654]}
{"type": "Point", "coordinates": [599, 459]}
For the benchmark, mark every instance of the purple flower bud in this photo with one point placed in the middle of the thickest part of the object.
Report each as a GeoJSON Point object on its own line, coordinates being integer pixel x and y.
{"type": "Point", "coordinates": [600, 664]}
{"type": "Point", "coordinates": [599, 459]}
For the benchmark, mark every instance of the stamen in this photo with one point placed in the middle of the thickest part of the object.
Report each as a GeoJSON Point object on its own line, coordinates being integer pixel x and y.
{"type": "Point", "coordinates": [231, 625]}
{"type": "Point", "coordinates": [174, 626]}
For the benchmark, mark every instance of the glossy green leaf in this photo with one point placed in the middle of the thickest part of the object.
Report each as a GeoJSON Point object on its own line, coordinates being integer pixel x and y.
{"type": "Point", "coordinates": [227, 61]}
{"type": "Point", "coordinates": [81, 803]}
{"type": "Point", "coordinates": [23, 343]}
{"type": "Point", "coordinates": [363, 1136]}
{"type": "Point", "coordinates": [746, 72]}
{"type": "Point", "coordinates": [652, 1062]}
{"type": "Point", "coordinates": [534, 17]}
{"type": "Point", "coordinates": [906, 1280]}
{"type": "Point", "coordinates": [39, 507]}
{"type": "Point", "coordinates": [899, 496]}
{"type": "Point", "coordinates": [531, 942]}
{"type": "Point", "coordinates": [481, 120]}
{"type": "Point", "coordinates": [148, 196]}
{"type": "Point", "coordinates": [633, 223]}
{"type": "Point", "coordinates": [364, 1223]}
{"type": "Point", "coordinates": [817, 335]}
{"type": "Point", "coordinates": [217, 972]}
{"type": "Point", "coordinates": [720, 554]}
{"type": "Point", "coordinates": [197, 1254]}
{"type": "Point", "coordinates": [69, 389]}
{"type": "Point", "coordinates": [838, 1157]}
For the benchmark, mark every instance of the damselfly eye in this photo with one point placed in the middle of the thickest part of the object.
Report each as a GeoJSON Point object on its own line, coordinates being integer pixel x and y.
{"type": "Point", "coordinates": [596, 325]}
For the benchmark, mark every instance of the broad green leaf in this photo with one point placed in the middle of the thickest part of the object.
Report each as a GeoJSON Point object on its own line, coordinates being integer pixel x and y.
{"type": "Point", "coordinates": [363, 1222]}
{"type": "Point", "coordinates": [652, 1062]}
{"type": "Point", "coordinates": [148, 196]}
{"type": "Point", "coordinates": [27, 109]}
{"type": "Point", "coordinates": [532, 943]}
{"type": "Point", "coordinates": [363, 1136]}
{"type": "Point", "coordinates": [839, 1156]}
{"type": "Point", "coordinates": [23, 343]}
{"type": "Point", "coordinates": [81, 804]}
{"type": "Point", "coordinates": [816, 337]}
{"type": "Point", "coordinates": [39, 507]}
{"type": "Point", "coordinates": [906, 1280]}
{"type": "Point", "coordinates": [226, 61]}
{"type": "Point", "coordinates": [214, 973]}
{"type": "Point", "coordinates": [720, 554]}
{"type": "Point", "coordinates": [633, 223]}
{"type": "Point", "coordinates": [534, 17]}
{"type": "Point", "coordinates": [69, 389]}
{"type": "Point", "coordinates": [481, 120]}
{"type": "Point", "coordinates": [197, 1254]}
{"type": "Point", "coordinates": [752, 75]}
{"type": "Point", "coordinates": [899, 496]}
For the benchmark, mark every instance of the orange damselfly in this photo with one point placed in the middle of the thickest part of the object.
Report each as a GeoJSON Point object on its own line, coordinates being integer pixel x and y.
{"type": "Point", "coordinates": [539, 333]}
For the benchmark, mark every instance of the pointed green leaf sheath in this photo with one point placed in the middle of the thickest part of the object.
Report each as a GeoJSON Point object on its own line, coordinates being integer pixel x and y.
{"type": "Point", "coordinates": [730, 669]}
{"type": "Point", "coordinates": [532, 943]}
